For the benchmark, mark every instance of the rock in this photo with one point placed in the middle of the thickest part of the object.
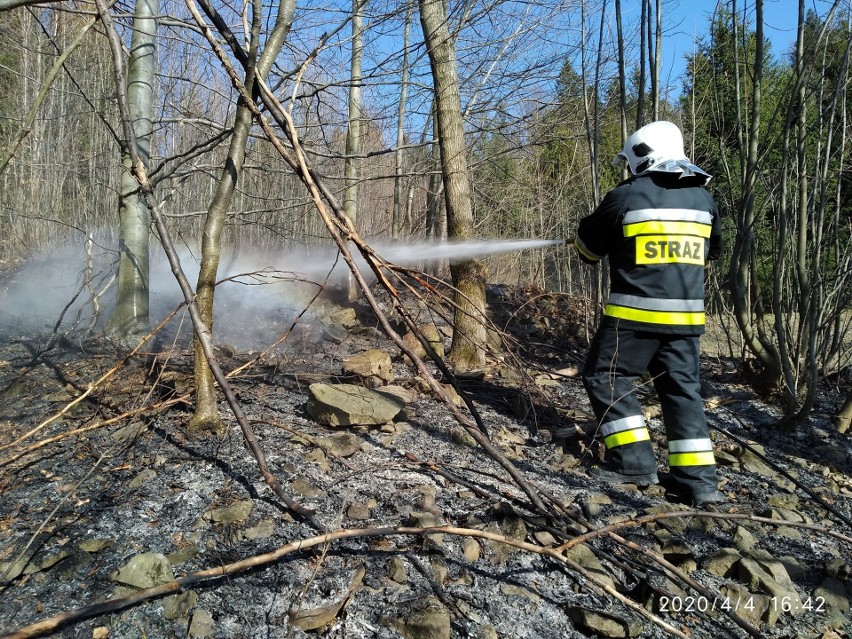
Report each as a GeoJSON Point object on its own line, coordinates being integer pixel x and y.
{"type": "Point", "coordinates": [182, 555]}
{"type": "Point", "coordinates": [581, 554]}
{"type": "Point", "coordinates": [770, 576]}
{"type": "Point", "coordinates": [10, 570]}
{"type": "Point", "coordinates": [453, 394]}
{"type": "Point", "coordinates": [510, 526]}
{"type": "Point", "coordinates": [830, 596]}
{"type": "Point", "coordinates": [784, 514]}
{"type": "Point", "coordinates": [744, 540]}
{"type": "Point", "coordinates": [787, 501]}
{"type": "Point", "coordinates": [341, 444]}
{"type": "Point", "coordinates": [238, 511]}
{"type": "Point", "coordinates": [430, 621]}
{"type": "Point", "coordinates": [750, 461]}
{"type": "Point", "coordinates": [672, 548]}
{"type": "Point", "coordinates": [544, 538]}
{"type": "Point", "coordinates": [723, 562]}
{"type": "Point", "coordinates": [321, 616]}
{"type": "Point", "coordinates": [95, 544]}
{"type": "Point", "coordinates": [264, 530]}
{"type": "Point", "coordinates": [604, 624]}
{"type": "Point", "coordinates": [345, 317]}
{"type": "Point", "coordinates": [470, 549]}
{"type": "Point", "coordinates": [177, 606]}
{"type": "Point", "coordinates": [305, 488]}
{"type": "Point", "coordinates": [737, 598]}
{"type": "Point", "coordinates": [460, 436]}
{"type": "Point", "coordinates": [405, 395]}
{"type": "Point", "coordinates": [519, 591]}
{"type": "Point", "coordinates": [594, 504]}
{"type": "Point", "coordinates": [373, 366]}
{"type": "Point", "coordinates": [347, 404]}
{"type": "Point", "coordinates": [396, 570]}
{"type": "Point", "coordinates": [430, 333]}
{"type": "Point", "coordinates": [129, 432]}
{"type": "Point", "coordinates": [144, 570]}
{"type": "Point", "coordinates": [358, 512]}
{"type": "Point", "coordinates": [143, 477]}
{"type": "Point", "coordinates": [202, 624]}
{"type": "Point", "coordinates": [426, 519]}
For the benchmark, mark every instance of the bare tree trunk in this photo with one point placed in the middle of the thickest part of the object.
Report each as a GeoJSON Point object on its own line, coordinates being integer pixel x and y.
{"type": "Point", "coordinates": [351, 163]}
{"type": "Point", "coordinates": [206, 417]}
{"type": "Point", "coordinates": [622, 82]}
{"type": "Point", "coordinates": [658, 59]}
{"type": "Point", "coordinates": [469, 333]}
{"type": "Point", "coordinates": [741, 274]}
{"type": "Point", "coordinates": [130, 316]}
{"type": "Point", "coordinates": [399, 192]}
{"type": "Point", "coordinates": [640, 89]}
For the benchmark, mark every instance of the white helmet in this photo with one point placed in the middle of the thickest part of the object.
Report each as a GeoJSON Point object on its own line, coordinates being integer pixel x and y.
{"type": "Point", "coordinates": [657, 147]}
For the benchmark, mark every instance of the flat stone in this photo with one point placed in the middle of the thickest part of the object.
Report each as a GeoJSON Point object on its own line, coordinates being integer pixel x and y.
{"type": "Point", "coordinates": [585, 557]}
{"type": "Point", "coordinates": [264, 530]}
{"type": "Point", "coordinates": [305, 488]}
{"type": "Point", "coordinates": [182, 555]}
{"type": "Point", "coordinates": [177, 606]}
{"type": "Point", "coordinates": [470, 549]}
{"type": "Point", "coordinates": [347, 404]}
{"type": "Point", "coordinates": [95, 544]}
{"type": "Point", "coordinates": [750, 461]}
{"type": "Point", "coordinates": [605, 624]}
{"type": "Point", "coordinates": [143, 477]}
{"type": "Point", "coordinates": [374, 363]}
{"type": "Point", "coordinates": [202, 624]}
{"type": "Point", "coordinates": [431, 621]}
{"type": "Point", "coordinates": [238, 511]}
{"type": "Point", "coordinates": [315, 618]}
{"type": "Point", "coordinates": [788, 501]}
{"type": "Point", "coordinates": [722, 563]}
{"type": "Point", "coordinates": [770, 577]}
{"type": "Point", "coordinates": [396, 570]}
{"type": "Point", "coordinates": [744, 540]}
{"type": "Point", "coordinates": [343, 444]}
{"type": "Point", "coordinates": [358, 512]}
{"type": "Point", "coordinates": [144, 570]}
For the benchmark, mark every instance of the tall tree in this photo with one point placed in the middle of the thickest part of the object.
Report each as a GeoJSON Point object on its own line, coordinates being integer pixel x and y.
{"type": "Point", "coordinates": [257, 64]}
{"type": "Point", "coordinates": [352, 162]}
{"type": "Point", "coordinates": [130, 316]}
{"type": "Point", "coordinates": [469, 332]}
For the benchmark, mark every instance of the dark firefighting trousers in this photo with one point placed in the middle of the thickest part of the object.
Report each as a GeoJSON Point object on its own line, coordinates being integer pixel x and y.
{"type": "Point", "coordinates": [617, 359]}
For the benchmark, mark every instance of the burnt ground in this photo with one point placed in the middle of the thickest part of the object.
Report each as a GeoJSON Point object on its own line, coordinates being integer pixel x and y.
{"type": "Point", "coordinates": [87, 486]}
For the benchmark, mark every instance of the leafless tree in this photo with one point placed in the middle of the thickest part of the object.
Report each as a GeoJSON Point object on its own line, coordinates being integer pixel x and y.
{"type": "Point", "coordinates": [469, 334]}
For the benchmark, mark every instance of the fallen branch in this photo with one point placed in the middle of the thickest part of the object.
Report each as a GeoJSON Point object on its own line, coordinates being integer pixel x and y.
{"type": "Point", "coordinates": [52, 624]}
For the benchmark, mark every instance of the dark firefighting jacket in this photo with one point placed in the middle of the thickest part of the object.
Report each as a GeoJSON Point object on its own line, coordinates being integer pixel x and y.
{"type": "Point", "coordinates": [659, 230]}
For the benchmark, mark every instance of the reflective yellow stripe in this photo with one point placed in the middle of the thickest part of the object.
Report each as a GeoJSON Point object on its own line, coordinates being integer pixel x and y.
{"type": "Point", "coordinates": [627, 437]}
{"type": "Point", "coordinates": [655, 317]}
{"type": "Point", "coordinates": [586, 252]}
{"type": "Point", "coordinates": [692, 459]}
{"type": "Point", "coordinates": [664, 227]}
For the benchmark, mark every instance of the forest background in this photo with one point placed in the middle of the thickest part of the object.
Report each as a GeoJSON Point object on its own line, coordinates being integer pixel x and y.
{"type": "Point", "coordinates": [226, 130]}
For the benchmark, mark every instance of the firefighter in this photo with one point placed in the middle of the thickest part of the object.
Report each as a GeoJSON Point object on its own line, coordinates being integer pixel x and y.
{"type": "Point", "coordinates": [658, 228]}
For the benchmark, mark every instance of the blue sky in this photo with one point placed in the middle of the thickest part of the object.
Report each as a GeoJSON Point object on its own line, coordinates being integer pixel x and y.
{"type": "Point", "coordinates": [684, 22]}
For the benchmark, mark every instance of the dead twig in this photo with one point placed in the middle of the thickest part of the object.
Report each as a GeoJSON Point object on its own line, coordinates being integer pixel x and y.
{"type": "Point", "coordinates": [52, 624]}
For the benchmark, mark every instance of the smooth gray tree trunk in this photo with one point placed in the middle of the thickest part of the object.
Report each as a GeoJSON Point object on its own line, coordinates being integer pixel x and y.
{"type": "Point", "coordinates": [131, 314]}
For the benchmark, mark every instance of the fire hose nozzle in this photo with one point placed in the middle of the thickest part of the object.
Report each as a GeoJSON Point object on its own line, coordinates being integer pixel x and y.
{"type": "Point", "coordinates": [568, 241]}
